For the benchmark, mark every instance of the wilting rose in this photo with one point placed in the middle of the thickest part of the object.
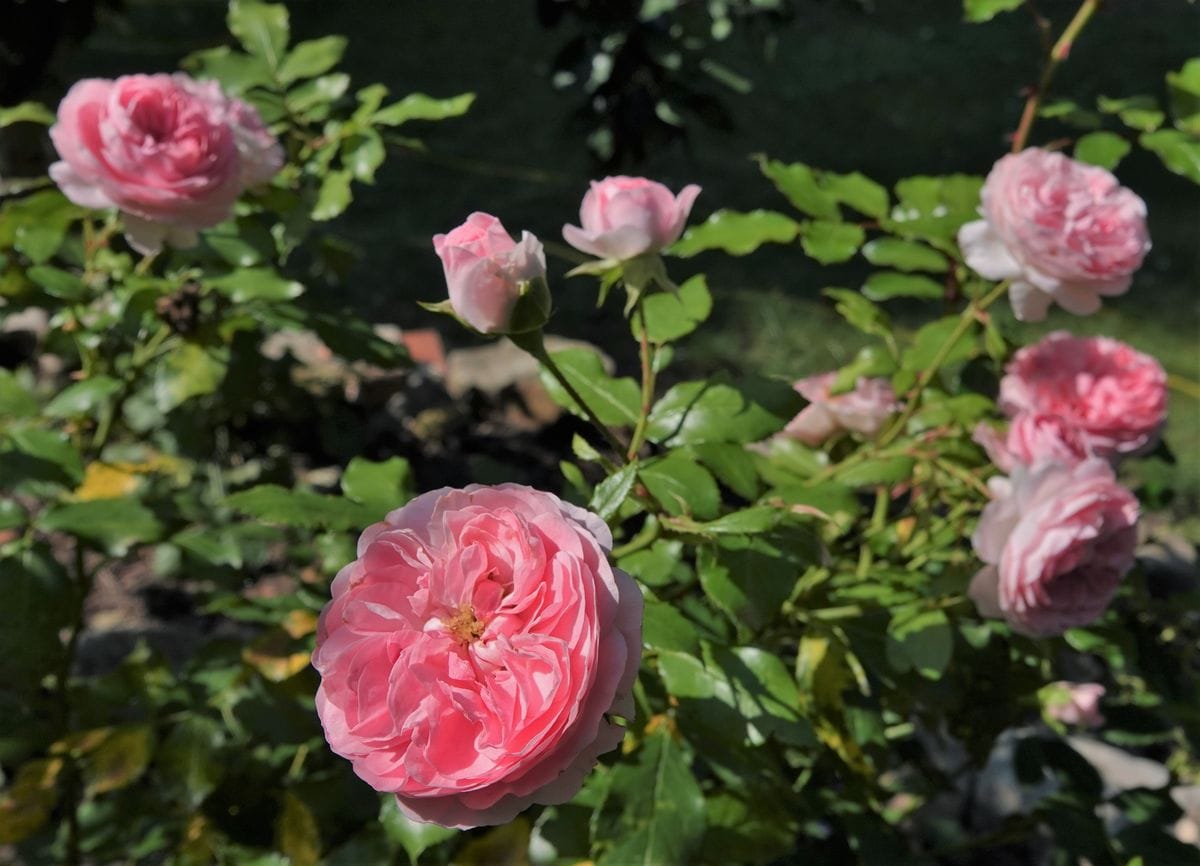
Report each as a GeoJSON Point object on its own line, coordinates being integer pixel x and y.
{"type": "Point", "coordinates": [1111, 395]}
{"type": "Point", "coordinates": [864, 410]}
{"type": "Point", "coordinates": [1033, 438]}
{"type": "Point", "coordinates": [487, 273]}
{"type": "Point", "coordinates": [1056, 541]}
{"type": "Point", "coordinates": [473, 653]}
{"type": "Point", "coordinates": [1062, 231]}
{"type": "Point", "coordinates": [171, 153]}
{"type": "Point", "coordinates": [625, 217]}
{"type": "Point", "coordinates": [1075, 703]}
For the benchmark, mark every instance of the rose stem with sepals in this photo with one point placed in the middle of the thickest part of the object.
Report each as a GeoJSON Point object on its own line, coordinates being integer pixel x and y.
{"type": "Point", "coordinates": [1059, 53]}
{"type": "Point", "coordinates": [639, 432]}
{"type": "Point", "coordinates": [533, 343]}
{"type": "Point", "coordinates": [965, 320]}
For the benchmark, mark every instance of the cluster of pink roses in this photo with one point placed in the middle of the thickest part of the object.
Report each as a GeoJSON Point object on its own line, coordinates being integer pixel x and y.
{"type": "Point", "coordinates": [171, 153]}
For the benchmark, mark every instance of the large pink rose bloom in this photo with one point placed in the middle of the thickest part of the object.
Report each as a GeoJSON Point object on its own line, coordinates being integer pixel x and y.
{"type": "Point", "coordinates": [625, 217]}
{"type": "Point", "coordinates": [1033, 438]}
{"type": "Point", "coordinates": [472, 654]}
{"type": "Point", "coordinates": [1114, 397]}
{"type": "Point", "coordinates": [171, 153]}
{"type": "Point", "coordinates": [1062, 231]}
{"type": "Point", "coordinates": [864, 410]}
{"type": "Point", "coordinates": [487, 272]}
{"type": "Point", "coordinates": [1056, 542]}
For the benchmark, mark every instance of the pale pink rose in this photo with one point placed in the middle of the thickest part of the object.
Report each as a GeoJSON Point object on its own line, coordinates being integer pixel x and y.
{"type": "Point", "coordinates": [472, 654]}
{"type": "Point", "coordinates": [171, 153]}
{"type": "Point", "coordinates": [1056, 541]}
{"type": "Point", "coordinates": [487, 272]}
{"type": "Point", "coordinates": [1062, 231]}
{"type": "Point", "coordinates": [864, 410]}
{"type": "Point", "coordinates": [260, 151]}
{"type": "Point", "coordinates": [1111, 395]}
{"type": "Point", "coordinates": [625, 217]}
{"type": "Point", "coordinates": [1076, 704]}
{"type": "Point", "coordinates": [1033, 438]}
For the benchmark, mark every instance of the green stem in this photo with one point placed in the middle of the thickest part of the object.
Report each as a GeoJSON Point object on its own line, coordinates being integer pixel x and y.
{"type": "Point", "coordinates": [533, 343]}
{"type": "Point", "coordinates": [965, 320]}
{"type": "Point", "coordinates": [649, 534]}
{"type": "Point", "coordinates": [1058, 53]}
{"type": "Point", "coordinates": [639, 432]}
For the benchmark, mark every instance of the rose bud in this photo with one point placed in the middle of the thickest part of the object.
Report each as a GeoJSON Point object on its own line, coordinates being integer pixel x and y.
{"type": "Point", "coordinates": [1074, 703]}
{"type": "Point", "coordinates": [1062, 231]}
{"type": "Point", "coordinates": [626, 217]}
{"type": "Point", "coordinates": [496, 285]}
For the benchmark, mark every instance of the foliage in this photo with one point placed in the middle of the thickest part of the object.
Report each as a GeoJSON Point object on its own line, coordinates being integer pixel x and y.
{"type": "Point", "coordinates": [815, 684]}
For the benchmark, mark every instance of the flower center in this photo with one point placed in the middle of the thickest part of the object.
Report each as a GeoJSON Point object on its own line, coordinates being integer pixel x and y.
{"type": "Point", "coordinates": [464, 626]}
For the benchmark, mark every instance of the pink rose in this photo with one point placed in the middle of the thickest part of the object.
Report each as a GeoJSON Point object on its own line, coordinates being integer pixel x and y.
{"type": "Point", "coordinates": [171, 153]}
{"type": "Point", "coordinates": [472, 654]}
{"type": "Point", "coordinates": [1061, 230]}
{"type": "Point", "coordinates": [863, 410]}
{"type": "Point", "coordinates": [1033, 438]}
{"type": "Point", "coordinates": [1057, 540]}
{"type": "Point", "coordinates": [1114, 397]}
{"type": "Point", "coordinates": [625, 217]}
{"type": "Point", "coordinates": [1076, 703]}
{"type": "Point", "coordinates": [487, 273]}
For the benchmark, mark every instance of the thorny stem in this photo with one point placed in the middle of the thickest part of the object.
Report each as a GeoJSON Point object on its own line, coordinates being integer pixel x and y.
{"type": "Point", "coordinates": [533, 344]}
{"type": "Point", "coordinates": [968, 317]}
{"type": "Point", "coordinates": [639, 432]}
{"type": "Point", "coordinates": [1058, 53]}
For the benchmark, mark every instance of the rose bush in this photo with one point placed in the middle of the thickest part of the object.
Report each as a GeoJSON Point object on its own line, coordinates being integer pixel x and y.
{"type": "Point", "coordinates": [473, 653]}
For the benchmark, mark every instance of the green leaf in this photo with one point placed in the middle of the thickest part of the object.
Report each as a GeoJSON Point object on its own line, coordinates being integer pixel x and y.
{"type": "Point", "coordinates": [665, 628]}
{"type": "Point", "coordinates": [800, 184]}
{"type": "Point", "coordinates": [15, 401]}
{"type": "Point", "coordinates": [934, 208]}
{"type": "Point", "coordinates": [188, 757]}
{"type": "Point", "coordinates": [615, 401]}
{"type": "Point", "coordinates": [234, 71]}
{"type": "Point", "coordinates": [256, 284]}
{"type": "Point", "coordinates": [732, 464]}
{"type": "Point", "coordinates": [1178, 151]}
{"type": "Point", "coordinates": [191, 370]}
{"type": "Point", "coordinates": [1184, 91]}
{"type": "Point", "coordinates": [215, 545]}
{"type": "Point", "coordinates": [712, 411]}
{"type": "Point", "coordinates": [36, 225]}
{"type": "Point", "coordinates": [381, 486]}
{"type": "Point", "coordinates": [749, 578]}
{"type": "Point", "coordinates": [296, 833]}
{"type": "Point", "coordinates": [262, 28]}
{"type": "Point", "coordinates": [113, 524]}
{"type": "Point", "coordinates": [12, 514]}
{"type": "Point", "coordinates": [312, 57]}
{"type": "Point", "coordinates": [418, 106]}
{"type": "Point", "coordinates": [83, 398]}
{"type": "Point", "coordinates": [333, 197]}
{"type": "Point", "coordinates": [905, 255]}
{"type": "Point", "coordinates": [313, 98]}
{"type": "Point", "coordinates": [659, 565]}
{"type": "Point", "coordinates": [884, 285]}
{"type": "Point", "coordinates": [767, 693]}
{"type": "Point", "coordinates": [26, 112]}
{"type": "Point", "coordinates": [301, 508]}
{"type": "Point", "coordinates": [831, 242]}
{"type": "Point", "coordinates": [1105, 149]}
{"type": "Point", "coordinates": [119, 760]}
{"type": "Point", "coordinates": [859, 312]}
{"type": "Point", "coordinates": [870, 360]}
{"type": "Point", "coordinates": [58, 283]}
{"type": "Point", "coordinates": [671, 315]}
{"type": "Point", "coordinates": [881, 470]}
{"type": "Point", "coordinates": [415, 837]}
{"type": "Point", "coordinates": [363, 153]}
{"type": "Point", "coordinates": [929, 340]}
{"type": "Point", "coordinates": [39, 599]}
{"type": "Point", "coordinates": [985, 10]}
{"type": "Point", "coordinates": [1138, 112]}
{"type": "Point", "coordinates": [920, 640]}
{"type": "Point", "coordinates": [682, 486]}
{"type": "Point", "coordinates": [653, 811]}
{"type": "Point", "coordinates": [611, 492]}
{"type": "Point", "coordinates": [858, 191]}
{"type": "Point", "coordinates": [49, 445]}
{"type": "Point", "coordinates": [737, 233]}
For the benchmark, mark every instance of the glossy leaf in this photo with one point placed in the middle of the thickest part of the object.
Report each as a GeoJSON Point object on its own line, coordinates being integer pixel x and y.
{"type": "Point", "coordinates": [615, 401]}
{"type": "Point", "coordinates": [830, 242]}
{"type": "Point", "coordinates": [262, 28]}
{"type": "Point", "coordinates": [1105, 149]}
{"type": "Point", "coordinates": [671, 315]}
{"type": "Point", "coordinates": [736, 233]}
{"type": "Point", "coordinates": [904, 255]}
{"type": "Point", "coordinates": [312, 57]}
{"type": "Point", "coordinates": [418, 106]}
{"type": "Point", "coordinates": [113, 524]}
{"type": "Point", "coordinates": [681, 485]}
